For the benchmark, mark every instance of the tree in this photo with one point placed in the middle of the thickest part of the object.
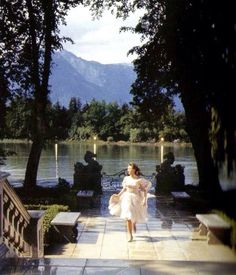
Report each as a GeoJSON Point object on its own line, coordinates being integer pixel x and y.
{"type": "Point", "coordinates": [189, 50]}
{"type": "Point", "coordinates": [126, 121]}
{"type": "Point", "coordinates": [112, 121]}
{"type": "Point", "coordinates": [30, 34]}
{"type": "Point", "coordinates": [94, 117]}
{"type": "Point", "coordinates": [174, 126]}
{"type": "Point", "coordinates": [75, 116]}
{"type": "Point", "coordinates": [74, 105]}
{"type": "Point", "coordinates": [59, 122]}
{"type": "Point", "coordinates": [18, 118]}
{"type": "Point", "coordinates": [3, 98]}
{"type": "Point", "coordinates": [164, 68]}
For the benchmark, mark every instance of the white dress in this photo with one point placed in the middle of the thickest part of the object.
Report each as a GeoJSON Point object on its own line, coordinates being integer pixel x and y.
{"type": "Point", "coordinates": [130, 205]}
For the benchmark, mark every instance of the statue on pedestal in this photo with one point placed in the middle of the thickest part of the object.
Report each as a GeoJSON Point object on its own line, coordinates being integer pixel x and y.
{"type": "Point", "coordinates": [88, 177]}
{"type": "Point", "coordinates": [169, 178]}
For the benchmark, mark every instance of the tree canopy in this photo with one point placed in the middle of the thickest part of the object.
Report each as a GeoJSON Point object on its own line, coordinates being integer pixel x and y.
{"type": "Point", "coordinates": [29, 35]}
{"type": "Point", "coordinates": [188, 49]}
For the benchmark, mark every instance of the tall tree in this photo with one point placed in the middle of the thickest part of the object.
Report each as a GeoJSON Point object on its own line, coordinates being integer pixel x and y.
{"type": "Point", "coordinates": [94, 116]}
{"type": "Point", "coordinates": [3, 98]}
{"type": "Point", "coordinates": [30, 34]}
{"type": "Point", "coordinates": [59, 122]}
{"type": "Point", "coordinates": [19, 117]}
{"type": "Point", "coordinates": [189, 50]}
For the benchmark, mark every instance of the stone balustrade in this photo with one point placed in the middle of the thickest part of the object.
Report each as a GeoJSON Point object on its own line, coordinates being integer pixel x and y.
{"type": "Point", "coordinates": [20, 230]}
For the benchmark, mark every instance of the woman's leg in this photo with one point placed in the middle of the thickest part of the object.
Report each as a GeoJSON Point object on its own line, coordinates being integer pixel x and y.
{"type": "Point", "coordinates": [134, 226]}
{"type": "Point", "coordinates": [129, 228]}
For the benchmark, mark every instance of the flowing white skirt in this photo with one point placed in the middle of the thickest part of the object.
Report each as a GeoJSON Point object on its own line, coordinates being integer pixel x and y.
{"type": "Point", "coordinates": [129, 207]}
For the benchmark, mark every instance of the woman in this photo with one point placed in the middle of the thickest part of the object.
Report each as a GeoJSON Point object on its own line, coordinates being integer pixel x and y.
{"type": "Point", "coordinates": [131, 203]}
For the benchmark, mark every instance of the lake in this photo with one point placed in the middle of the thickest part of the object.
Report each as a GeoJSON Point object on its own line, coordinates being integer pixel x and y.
{"type": "Point", "coordinates": [58, 161]}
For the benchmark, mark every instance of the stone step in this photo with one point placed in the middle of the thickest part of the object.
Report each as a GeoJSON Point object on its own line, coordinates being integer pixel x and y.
{"type": "Point", "coordinates": [108, 266]}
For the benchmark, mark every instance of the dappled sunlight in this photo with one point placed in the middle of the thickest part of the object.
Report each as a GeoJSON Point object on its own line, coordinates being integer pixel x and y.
{"type": "Point", "coordinates": [169, 234]}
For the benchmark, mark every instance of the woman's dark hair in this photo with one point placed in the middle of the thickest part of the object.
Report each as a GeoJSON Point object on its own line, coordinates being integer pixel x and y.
{"type": "Point", "coordinates": [136, 168]}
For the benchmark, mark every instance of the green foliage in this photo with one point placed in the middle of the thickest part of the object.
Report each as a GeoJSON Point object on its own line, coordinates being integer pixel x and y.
{"type": "Point", "coordinates": [135, 135]}
{"type": "Point", "coordinates": [112, 124]}
{"type": "Point", "coordinates": [83, 123]}
{"type": "Point", "coordinates": [94, 116]}
{"type": "Point", "coordinates": [74, 106]}
{"type": "Point", "coordinates": [173, 126]}
{"type": "Point", "coordinates": [50, 212]}
{"type": "Point", "coordinates": [29, 35]}
{"type": "Point", "coordinates": [110, 139]}
{"type": "Point", "coordinates": [75, 119]}
{"type": "Point", "coordinates": [49, 195]}
{"type": "Point", "coordinates": [4, 153]}
{"type": "Point", "coordinates": [19, 118]}
{"type": "Point", "coordinates": [59, 122]}
{"type": "Point", "coordinates": [84, 133]}
{"type": "Point", "coordinates": [188, 49]}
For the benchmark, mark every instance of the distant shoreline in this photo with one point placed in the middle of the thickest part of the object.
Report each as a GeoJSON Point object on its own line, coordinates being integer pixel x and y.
{"type": "Point", "coordinates": [101, 142]}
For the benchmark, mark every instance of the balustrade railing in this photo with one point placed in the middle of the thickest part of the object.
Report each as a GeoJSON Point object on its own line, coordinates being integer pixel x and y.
{"type": "Point", "coordinates": [15, 220]}
{"type": "Point", "coordinates": [16, 223]}
{"type": "Point", "coordinates": [113, 182]}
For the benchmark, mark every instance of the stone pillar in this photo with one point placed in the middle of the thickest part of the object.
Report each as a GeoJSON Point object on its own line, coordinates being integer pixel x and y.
{"type": "Point", "coordinates": [35, 233]}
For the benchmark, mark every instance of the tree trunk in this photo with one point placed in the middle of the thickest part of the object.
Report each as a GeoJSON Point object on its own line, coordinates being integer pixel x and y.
{"type": "Point", "coordinates": [198, 129]}
{"type": "Point", "coordinates": [32, 164]}
{"type": "Point", "coordinates": [3, 98]}
{"type": "Point", "coordinates": [41, 90]}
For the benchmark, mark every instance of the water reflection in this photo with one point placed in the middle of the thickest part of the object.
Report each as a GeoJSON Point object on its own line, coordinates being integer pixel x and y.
{"type": "Point", "coordinates": [114, 158]}
{"type": "Point", "coordinates": [94, 146]}
{"type": "Point", "coordinates": [162, 153]}
{"type": "Point", "coordinates": [56, 159]}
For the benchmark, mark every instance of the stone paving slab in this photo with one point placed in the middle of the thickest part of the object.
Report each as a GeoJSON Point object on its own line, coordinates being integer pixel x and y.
{"type": "Point", "coordinates": [166, 244]}
{"type": "Point", "coordinates": [170, 234]}
{"type": "Point", "coordinates": [110, 267]}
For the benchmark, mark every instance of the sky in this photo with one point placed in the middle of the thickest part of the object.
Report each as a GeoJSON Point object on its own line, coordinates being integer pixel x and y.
{"type": "Point", "coordinates": [100, 40]}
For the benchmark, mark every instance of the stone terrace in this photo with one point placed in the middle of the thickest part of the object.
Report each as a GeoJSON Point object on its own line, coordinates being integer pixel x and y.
{"type": "Point", "coordinates": [167, 244]}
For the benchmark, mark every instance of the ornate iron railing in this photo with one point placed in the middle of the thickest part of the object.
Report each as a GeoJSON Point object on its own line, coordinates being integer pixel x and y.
{"type": "Point", "coordinates": [113, 182]}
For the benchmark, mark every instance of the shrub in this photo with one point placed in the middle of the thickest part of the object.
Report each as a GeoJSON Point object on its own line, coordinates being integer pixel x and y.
{"type": "Point", "coordinates": [135, 135]}
{"type": "Point", "coordinates": [110, 139]}
{"type": "Point", "coordinates": [50, 212]}
{"type": "Point", "coordinates": [63, 185]}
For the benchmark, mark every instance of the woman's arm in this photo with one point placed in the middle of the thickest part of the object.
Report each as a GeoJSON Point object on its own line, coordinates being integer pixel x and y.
{"type": "Point", "coordinates": [122, 191]}
{"type": "Point", "coordinates": [124, 187]}
{"type": "Point", "coordinates": [145, 197]}
{"type": "Point", "coordinates": [144, 187]}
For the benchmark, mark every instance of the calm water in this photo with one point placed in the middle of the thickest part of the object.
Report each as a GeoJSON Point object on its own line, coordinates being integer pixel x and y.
{"type": "Point", "coordinates": [59, 162]}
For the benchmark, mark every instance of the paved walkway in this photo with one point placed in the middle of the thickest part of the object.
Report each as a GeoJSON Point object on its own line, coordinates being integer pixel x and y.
{"type": "Point", "coordinates": [168, 235]}
{"type": "Point", "coordinates": [167, 244]}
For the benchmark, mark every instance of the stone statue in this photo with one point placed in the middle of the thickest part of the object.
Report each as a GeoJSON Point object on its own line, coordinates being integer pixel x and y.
{"type": "Point", "coordinates": [169, 178]}
{"type": "Point", "coordinates": [88, 177]}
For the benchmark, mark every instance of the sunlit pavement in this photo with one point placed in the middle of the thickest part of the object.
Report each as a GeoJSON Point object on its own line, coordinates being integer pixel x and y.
{"type": "Point", "coordinates": [167, 244]}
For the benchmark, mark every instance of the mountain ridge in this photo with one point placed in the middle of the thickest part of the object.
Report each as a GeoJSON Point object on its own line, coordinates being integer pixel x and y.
{"type": "Point", "coordinates": [73, 76]}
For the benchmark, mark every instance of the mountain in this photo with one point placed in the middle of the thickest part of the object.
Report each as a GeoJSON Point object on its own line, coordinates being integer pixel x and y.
{"type": "Point", "coordinates": [73, 76]}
